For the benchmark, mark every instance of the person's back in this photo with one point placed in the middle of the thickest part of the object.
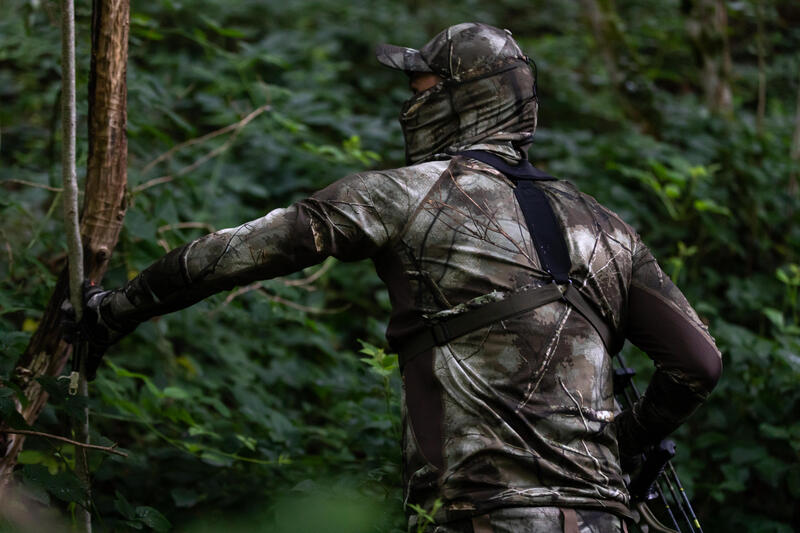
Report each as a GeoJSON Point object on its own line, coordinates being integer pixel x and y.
{"type": "Point", "coordinates": [515, 418]}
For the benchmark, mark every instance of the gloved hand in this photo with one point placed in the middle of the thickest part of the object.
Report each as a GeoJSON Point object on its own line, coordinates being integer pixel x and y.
{"type": "Point", "coordinates": [92, 329]}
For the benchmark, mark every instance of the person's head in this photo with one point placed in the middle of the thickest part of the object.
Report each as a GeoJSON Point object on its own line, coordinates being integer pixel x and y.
{"type": "Point", "coordinates": [470, 82]}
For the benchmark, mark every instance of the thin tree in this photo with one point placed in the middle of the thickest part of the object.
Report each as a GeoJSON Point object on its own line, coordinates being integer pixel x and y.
{"type": "Point", "coordinates": [707, 28]}
{"type": "Point", "coordinates": [101, 218]}
{"type": "Point", "coordinates": [623, 66]}
{"type": "Point", "coordinates": [74, 247]}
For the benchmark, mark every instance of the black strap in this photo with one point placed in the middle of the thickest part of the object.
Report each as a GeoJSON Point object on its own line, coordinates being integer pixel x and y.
{"type": "Point", "coordinates": [545, 232]}
{"type": "Point", "coordinates": [522, 171]}
{"type": "Point", "coordinates": [443, 332]}
{"type": "Point", "coordinates": [440, 333]}
{"type": "Point", "coordinates": [553, 255]}
{"type": "Point", "coordinates": [542, 223]}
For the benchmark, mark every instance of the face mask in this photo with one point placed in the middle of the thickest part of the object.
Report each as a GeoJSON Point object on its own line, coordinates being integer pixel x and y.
{"type": "Point", "coordinates": [452, 115]}
{"type": "Point", "coordinates": [427, 123]}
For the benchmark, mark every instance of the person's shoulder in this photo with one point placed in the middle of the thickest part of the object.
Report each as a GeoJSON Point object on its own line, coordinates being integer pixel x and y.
{"type": "Point", "coordinates": [426, 170]}
{"type": "Point", "coordinates": [598, 212]}
{"type": "Point", "coordinates": [422, 172]}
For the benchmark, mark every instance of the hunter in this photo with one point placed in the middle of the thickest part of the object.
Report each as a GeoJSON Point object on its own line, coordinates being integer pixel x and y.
{"type": "Point", "coordinates": [510, 291]}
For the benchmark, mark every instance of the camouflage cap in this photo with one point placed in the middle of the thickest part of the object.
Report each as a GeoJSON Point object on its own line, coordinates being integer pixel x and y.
{"type": "Point", "coordinates": [457, 53]}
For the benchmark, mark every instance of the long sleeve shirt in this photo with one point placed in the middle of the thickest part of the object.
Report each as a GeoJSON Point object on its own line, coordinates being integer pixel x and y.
{"type": "Point", "coordinates": [517, 413]}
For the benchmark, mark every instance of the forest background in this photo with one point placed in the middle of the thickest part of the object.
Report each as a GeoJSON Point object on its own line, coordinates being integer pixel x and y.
{"type": "Point", "coordinates": [259, 405]}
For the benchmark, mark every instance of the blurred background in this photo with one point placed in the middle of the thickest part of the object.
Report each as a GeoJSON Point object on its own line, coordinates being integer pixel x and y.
{"type": "Point", "coordinates": [274, 407]}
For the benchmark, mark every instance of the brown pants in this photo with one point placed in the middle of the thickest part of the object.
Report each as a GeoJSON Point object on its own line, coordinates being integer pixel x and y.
{"type": "Point", "coordinates": [536, 520]}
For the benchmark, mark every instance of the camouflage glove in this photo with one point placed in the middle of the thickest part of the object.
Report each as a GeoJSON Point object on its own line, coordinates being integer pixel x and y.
{"type": "Point", "coordinates": [92, 329]}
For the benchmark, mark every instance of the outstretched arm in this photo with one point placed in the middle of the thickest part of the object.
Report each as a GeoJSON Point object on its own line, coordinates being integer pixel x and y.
{"type": "Point", "coordinates": [351, 219]}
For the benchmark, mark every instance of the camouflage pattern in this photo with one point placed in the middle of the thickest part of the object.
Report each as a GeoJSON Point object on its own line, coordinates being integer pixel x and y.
{"type": "Point", "coordinates": [488, 89]}
{"type": "Point", "coordinates": [534, 520]}
{"type": "Point", "coordinates": [519, 413]}
{"type": "Point", "coordinates": [458, 53]}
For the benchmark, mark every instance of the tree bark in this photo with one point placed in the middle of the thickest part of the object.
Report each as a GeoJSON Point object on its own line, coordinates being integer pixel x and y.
{"type": "Point", "coordinates": [761, 106]}
{"type": "Point", "coordinates": [707, 27]}
{"type": "Point", "coordinates": [634, 91]}
{"type": "Point", "coordinates": [102, 215]}
{"type": "Point", "coordinates": [73, 232]}
{"type": "Point", "coordinates": [795, 151]}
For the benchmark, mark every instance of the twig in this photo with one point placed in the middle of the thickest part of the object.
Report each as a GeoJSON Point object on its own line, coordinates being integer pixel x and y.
{"type": "Point", "coordinates": [236, 128]}
{"type": "Point", "coordinates": [304, 308]}
{"type": "Point", "coordinates": [107, 449]}
{"type": "Point", "coordinates": [188, 168]}
{"type": "Point", "coordinates": [32, 184]}
{"type": "Point", "coordinates": [206, 137]}
{"type": "Point", "coordinates": [10, 255]}
{"type": "Point", "coordinates": [187, 225]}
{"type": "Point", "coordinates": [257, 286]}
{"type": "Point", "coordinates": [312, 278]}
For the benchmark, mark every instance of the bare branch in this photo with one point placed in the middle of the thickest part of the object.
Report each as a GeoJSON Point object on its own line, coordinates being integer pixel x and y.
{"type": "Point", "coordinates": [32, 184]}
{"type": "Point", "coordinates": [258, 286]}
{"type": "Point", "coordinates": [188, 168]}
{"type": "Point", "coordinates": [187, 225]}
{"type": "Point", "coordinates": [208, 136]}
{"type": "Point", "coordinates": [304, 308]}
{"type": "Point", "coordinates": [313, 277]}
{"type": "Point", "coordinates": [107, 449]}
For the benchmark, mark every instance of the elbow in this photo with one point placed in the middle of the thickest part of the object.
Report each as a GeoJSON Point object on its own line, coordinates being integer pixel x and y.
{"type": "Point", "coordinates": [708, 368]}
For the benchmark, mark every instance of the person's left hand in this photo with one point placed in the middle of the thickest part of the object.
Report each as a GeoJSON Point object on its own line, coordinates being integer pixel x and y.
{"type": "Point", "coordinates": [92, 329]}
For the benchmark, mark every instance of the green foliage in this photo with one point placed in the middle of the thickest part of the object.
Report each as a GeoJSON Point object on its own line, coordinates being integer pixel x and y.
{"type": "Point", "coordinates": [425, 518]}
{"type": "Point", "coordinates": [237, 410]}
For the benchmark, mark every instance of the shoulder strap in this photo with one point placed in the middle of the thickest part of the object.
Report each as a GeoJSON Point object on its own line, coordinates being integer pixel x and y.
{"type": "Point", "coordinates": [542, 223]}
{"type": "Point", "coordinates": [524, 170]}
{"type": "Point", "coordinates": [553, 254]}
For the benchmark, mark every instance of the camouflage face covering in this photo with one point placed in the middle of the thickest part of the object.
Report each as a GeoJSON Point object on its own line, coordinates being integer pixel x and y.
{"type": "Point", "coordinates": [488, 88]}
{"type": "Point", "coordinates": [452, 115]}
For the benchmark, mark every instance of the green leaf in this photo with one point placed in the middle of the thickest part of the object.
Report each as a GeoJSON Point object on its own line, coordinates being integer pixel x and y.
{"type": "Point", "coordinates": [153, 519]}
{"type": "Point", "coordinates": [249, 442]}
{"type": "Point", "coordinates": [709, 205]}
{"type": "Point", "coordinates": [773, 432]}
{"type": "Point", "coordinates": [124, 508]}
{"type": "Point", "coordinates": [176, 393]}
{"type": "Point", "coordinates": [184, 497]}
{"type": "Point", "coordinates": [775, 316]}
{"type": "Point", "coordinates": [64, 485]}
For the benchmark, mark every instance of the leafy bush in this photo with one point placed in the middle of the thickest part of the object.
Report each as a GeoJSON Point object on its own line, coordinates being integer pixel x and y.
{"type": "Point", "coordinates": [230, 406]}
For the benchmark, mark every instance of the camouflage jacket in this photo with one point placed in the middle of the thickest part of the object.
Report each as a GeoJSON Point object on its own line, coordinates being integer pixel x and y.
{"type": "Point", "coordinates": [518, 413]}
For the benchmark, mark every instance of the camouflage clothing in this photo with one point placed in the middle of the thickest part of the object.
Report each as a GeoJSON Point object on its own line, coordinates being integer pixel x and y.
{"type": "Point", "coordinates": [488, 89]}
{"type": "Point", "coordinates": [535, 520]}
{"type": "Point", "coordinates": [518, 413]}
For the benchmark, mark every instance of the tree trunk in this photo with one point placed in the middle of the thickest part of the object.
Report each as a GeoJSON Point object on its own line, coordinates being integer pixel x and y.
{"type": "Point", "coordinates": [761, 106]}
{"type": "Point", "coordinates": [795, 152]}
{"type": "Point", "coordinates": [635, 93]}
{"type": "Point", "coordinates": [102, 215]}
{"type": "Point", "coordinates": [707, 27]}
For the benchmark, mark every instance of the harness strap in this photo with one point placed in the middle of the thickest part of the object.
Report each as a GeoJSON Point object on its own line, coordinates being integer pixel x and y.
{"type": "Point", "coordinates": [524, 170]}
{"type": "Point", "coordinates": [570, 520]}
{"type": "Point", "coordinates": [440, 333]}
{"type": "Point", "coordinates": [553, 254]}
{"type": "Point", "coordinates": [586, 310]}
{"type": "Point", "coordinates": [482, 524]}
{"type": "Point", "coordinates": [544, 230]}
